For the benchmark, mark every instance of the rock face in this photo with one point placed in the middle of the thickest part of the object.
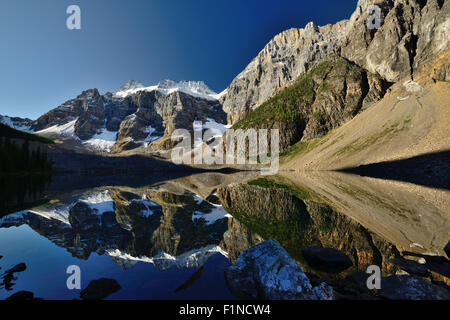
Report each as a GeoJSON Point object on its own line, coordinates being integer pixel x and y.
{"type": "Point", "coordinates": [283, 59]}
{"type": "Point", "coordinates": [266, 271]}
{"type": "Point", "coordinates": [17, 123]}
{"type": "Point", "coordinates": [328, 95]}
{"type": "Point", "coordinates": [83, 218]}
{"type": "Point", "coordinates": [406, 287]}
{"type": "Point", "coordinates": [442, 73]}
{"type": "Point", "coordinates": [131, 117]}
{"type": "Point", "coordinates": [412, 33]}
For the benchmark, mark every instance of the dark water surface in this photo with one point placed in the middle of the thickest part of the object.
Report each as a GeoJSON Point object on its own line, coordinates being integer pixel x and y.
{"type": "Point", "coordinates": [164, 237]}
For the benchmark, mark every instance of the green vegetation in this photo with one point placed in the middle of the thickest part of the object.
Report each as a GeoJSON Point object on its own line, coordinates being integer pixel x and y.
{"type": "Point", "coordinates": [270, 184]}
{"type": "Point", "coordinates": [293, 235]}
{"type": "Point", "coordinates": [294, 103]}
{"type": "Point", "coordinates": [277, 182]}
{"type": "Point", "coordinates": [285, 106]}
{"type": "Point", "coordinates": [168, 143]}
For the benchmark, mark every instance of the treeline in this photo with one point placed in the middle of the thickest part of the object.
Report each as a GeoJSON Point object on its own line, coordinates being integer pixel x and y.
{"type": "Point", "coordinates": [21, 158]}
{"type": "Point", "coordinates": [6, 131]}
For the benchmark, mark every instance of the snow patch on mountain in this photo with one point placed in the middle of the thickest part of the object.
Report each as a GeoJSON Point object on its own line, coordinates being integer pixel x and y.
{"type": "Point", "coordinates": [15, 124]}
{"type": "Point", "coordinates": [60, 213]}
{"type": "Point", "coordinates": [217, 213]}
{"type": "Point", "coordinates": [216, 130]}
{"type": "Point", "coordinates": [164, 261]}
{"type": "Point", "coordinates": [194, 88]}
{"type": "Point", "coordinates": [99, 202]}
{"type": "Point", "coordinates": [103, 141]}
{"type": "Point", "coordinates": [148, 204]}
{"type": "Point", "coordinates": [63, 130]}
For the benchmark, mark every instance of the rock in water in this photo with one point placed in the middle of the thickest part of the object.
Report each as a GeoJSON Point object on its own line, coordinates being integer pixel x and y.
{"type": "Point", "coordinates": [411, 267]}
{"type": "Point", "coordinates": [266, 271]}
{"type": "Point", "coordinates": [21, 295]}
{"type": "Point", "coordinates": [100, 289]}
{"type": "Point", "coordinates": [407, 287]}
{"type": "Point", "coordinates": [326, 259]}
{"type": "Point", "coordinates": [17, 268]}
{"type": "Point", "coordinates": [447, 249]}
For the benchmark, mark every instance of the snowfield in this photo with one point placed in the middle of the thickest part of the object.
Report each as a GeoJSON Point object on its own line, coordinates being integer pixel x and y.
{"type": "Point", "coordinates": [103, 141]}
{"type": "Point", "coordinates": [196, 89]}
{"type": "Point", "coordinates": [64, 130]}
{"type": "Point", "coordinates": [164, 261]}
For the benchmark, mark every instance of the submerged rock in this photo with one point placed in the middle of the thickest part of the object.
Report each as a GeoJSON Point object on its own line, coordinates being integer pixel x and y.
{"type": "Point", "coordinates": [100, 289]}
{"type": "Point", "coordinates": [408, 287]}
{"type": "Point", "coordinates": [266, 271]}
{"type": "Point", "coordinates": [17, 268]}
{"type": "Point", "coordinates": [22, 295]}
{"type": "Point", "coordinates": [326, 259]}
{"type": "Point", "coordinates": [410, 266]}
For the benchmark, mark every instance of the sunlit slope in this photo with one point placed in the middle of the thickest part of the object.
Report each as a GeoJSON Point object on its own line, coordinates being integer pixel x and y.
{"type": "Point", "coordinates": [412, 119]}
{"type": "Point", "coordinates": [412, 217]}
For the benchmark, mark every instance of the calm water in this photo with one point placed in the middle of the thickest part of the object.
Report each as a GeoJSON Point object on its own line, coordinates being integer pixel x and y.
{"type": "Point", "coordinates": [172, 238]}
{"type": "Point", "coordinates": [164, 250]}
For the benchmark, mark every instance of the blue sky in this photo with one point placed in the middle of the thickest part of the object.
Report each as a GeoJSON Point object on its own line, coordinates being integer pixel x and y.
{"type": "Point", "coordinates": [43, 64]}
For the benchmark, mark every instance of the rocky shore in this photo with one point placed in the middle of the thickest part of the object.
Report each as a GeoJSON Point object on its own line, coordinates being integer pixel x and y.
{"type": "Point", "coordinates": [267, 271]}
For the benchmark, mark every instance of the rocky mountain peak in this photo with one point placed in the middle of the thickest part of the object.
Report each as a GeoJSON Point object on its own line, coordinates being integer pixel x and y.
{"type": "Point", "coordinates": [132, 84]}
{"type": "Point", "coordinates": [196, 87]}
{"type": "Point", "coordinates": [412, 33]}
{"type": "Point", "coordinates": [288, 55]}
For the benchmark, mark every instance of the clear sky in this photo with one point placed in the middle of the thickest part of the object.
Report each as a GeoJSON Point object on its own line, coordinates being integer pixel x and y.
{"type": "Point", "coordinates": [43, 64]}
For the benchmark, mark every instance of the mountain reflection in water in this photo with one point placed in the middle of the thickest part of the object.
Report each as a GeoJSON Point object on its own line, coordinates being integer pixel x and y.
{"type": "Point", "coordinates": [173, 238]}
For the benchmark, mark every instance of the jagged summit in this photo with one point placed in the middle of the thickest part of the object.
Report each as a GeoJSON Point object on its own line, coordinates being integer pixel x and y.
{"type": "Point", "coordinates": [132, 84]}
{"type": "Point", "coordinates": [167, 86]}
{"type": "Point", "coordinates": [197, 87]}
{"type": "Point", "coordinates": [412, 34]}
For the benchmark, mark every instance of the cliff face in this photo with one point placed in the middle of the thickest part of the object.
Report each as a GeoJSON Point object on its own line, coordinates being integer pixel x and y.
{"type": "Point", "coordinates": [332, 92]}
{"type": "Point", "coordinates": [131, 117]}
{"type": "Point", "coordinates": [287, 56]}
{"type": "Point", "coordinates": [412, 33]}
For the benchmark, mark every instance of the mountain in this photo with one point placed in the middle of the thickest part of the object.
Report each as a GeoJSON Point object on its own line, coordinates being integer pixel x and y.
{"type": "Point", "coordinates": [17, 123]}
{"type": "Point", "coordinates": [131, 225]}
{"type": "Point", "coordinates": [305, 82]}
{"type": "Point", "coordinates": [133, 116]}
{"type": "Point", "coordinates": [328, 95]}
{"type": "Point", "coordinates": [412, 34]}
